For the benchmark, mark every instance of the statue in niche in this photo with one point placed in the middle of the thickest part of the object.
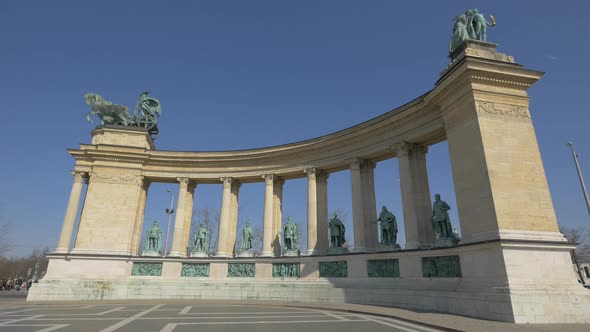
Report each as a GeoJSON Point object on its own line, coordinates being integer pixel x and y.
{"type": "Point", "coordinates": [337, 232]}
{"type": "Point", "coordinates": [290, 235]}
{"type": "Point", "coordinates": [247, 237]}
{"type": "Point", "coordinates": [440, 218]}
{"type": "Point", "coordinates": [200, 239]}
{"type": "Point", "coordinates": [469, 25]}
{"type": "Point", "coordinates": [388, 226]}
{"type": "Point", "coordinates": [154, 238]}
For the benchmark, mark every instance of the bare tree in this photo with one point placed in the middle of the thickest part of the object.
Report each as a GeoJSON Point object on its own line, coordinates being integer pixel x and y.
{"type": "Point", "coordinates": [579, 237]}
{"type": "Point", "coordinates": [3, 239]}
{"type": "Point", "coordinates": [257, 234]}
{"type": "Point", "coordinates": [210, 218]}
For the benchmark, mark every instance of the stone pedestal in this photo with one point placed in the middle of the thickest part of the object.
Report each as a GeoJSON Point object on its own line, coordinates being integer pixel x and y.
{"type": "Point", "coordinates": [151, 253]}
{"type": "Point", "coordinates": [291, 253]}
{"type": "Point", "coordinates": [200, 254]}
{"type": "Point", "coordinates": [445, 242]}
{"type": "Point", "coordinates": [383, 247]}
{"type": "Point", "coordinates": [245, 253]}
{"type": "Point", "coordinates": [337, 251]}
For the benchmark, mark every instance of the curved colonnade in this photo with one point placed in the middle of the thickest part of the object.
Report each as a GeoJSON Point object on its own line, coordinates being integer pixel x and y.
{"type": "Point", "coordinates": [510, 250]}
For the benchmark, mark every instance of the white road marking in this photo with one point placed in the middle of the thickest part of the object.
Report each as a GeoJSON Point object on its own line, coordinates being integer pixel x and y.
{"type": "Point", "coordinates": [170, 326]}
{"type": "Point", "coordinates": [398, 324]}
{"type": "Point", "coordinates": [14, 312]}
{"type": "Point", "coordinates": [19, 320]}
{"type": "Point", "coordinates": [335, 315]}
{"type": "Point", "coordinates": [185, 310]}
{"type": "Point", "coordinates": [105, 312]}
{"type": "Point", "coordinates": [130, 319]}
{"type": "Point", "coordinates": [53, 328]}
{"type": "Point", "coordinates": [88, 307]}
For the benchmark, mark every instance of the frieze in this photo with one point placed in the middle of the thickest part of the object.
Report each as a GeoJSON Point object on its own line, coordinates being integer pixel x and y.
{"type": "Point", "coordinates": [441, 267]}
{"type": "Point", "coordinates": [337, 269]}
{"type": "Point", "coordinates": [383, 268]}
{"type": "Point", "coordinates": [241, 270]}
{"type": "Point", "coordinates": [486, 108]}
{"type": "Point", "coordinates": [116, 177]}
{"type": "Point", "coordinates": [146, 269]}
{"type": "Point", "coordinates": [286, 270]}
{"type": "Point", "coordinates": [121, 139]}
{"type": "Point", "coordinates": [195, 270]}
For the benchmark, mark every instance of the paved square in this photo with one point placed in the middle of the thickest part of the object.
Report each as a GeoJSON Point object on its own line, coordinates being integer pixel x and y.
{"type": "Point", "coordinates": [188, 317]}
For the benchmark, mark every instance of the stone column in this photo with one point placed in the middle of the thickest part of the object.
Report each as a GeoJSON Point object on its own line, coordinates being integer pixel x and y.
{"type": "Point", "coordinates": [139, 216]}
{"type": "Point", "coordinates": [277, 214]}
{"type": "Point", "coordinates": [415, 193]}
{"type": "Point", "coordinates": [312, 212]}
{"type": "Point", "coordinates": [188, 215]}
{"type": "Point", "coordinates": [322, 210]}
{"type": "Point", "coordinates": [63, 245]}
{"type": "Point", "coordinates": [178, 247]}
{"type": "Point", "coordinates": [369, 204]}
{"type": "Point", "coordinates": [268, 237]}
{"type": "Point", "coordinates": [224, 219]}
{"type": "Point", "coordinates": [233, 216]}
{"type": "Point", "coordinates": [357, 205]}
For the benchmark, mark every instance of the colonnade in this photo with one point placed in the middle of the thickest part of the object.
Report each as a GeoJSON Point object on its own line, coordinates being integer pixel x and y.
{"type": "Point", "coordinates": [415, 194]}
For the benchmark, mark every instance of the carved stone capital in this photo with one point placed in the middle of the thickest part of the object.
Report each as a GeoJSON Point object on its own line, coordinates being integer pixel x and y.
{"type": "Point", "coordinates": [410, 150]}
{"type": "Point", "coordinates": [279, 182]}
{"type": "Point", "coordinates": [80, 177]}
{"type": "Point", "coordinates": [183, 182]}
{"type": "Point", "coordinates": [368, 165]}
{"type": "Point", "coordinates": [227, 180]}
{"type": "Point", "coordinates": [311, 172]}
{"type": "Point", "coordinates": [322, 175]}
{"type": "Point", "coordinates": [191, 186]}
{"type": "Point", "coordinates": [268, 178]}
{"type": "Point", "coordinates": [354, 163]}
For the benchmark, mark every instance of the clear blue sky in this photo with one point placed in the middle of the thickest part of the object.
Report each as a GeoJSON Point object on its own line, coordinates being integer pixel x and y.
{"type": "Point", "coordinates": [246, 74]}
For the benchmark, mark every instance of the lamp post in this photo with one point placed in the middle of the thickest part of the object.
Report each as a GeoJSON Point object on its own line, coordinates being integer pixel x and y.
{"type": "Point", "coordinates": [575, 156]}
{"type": "Point", "coordinates": [169, 212]}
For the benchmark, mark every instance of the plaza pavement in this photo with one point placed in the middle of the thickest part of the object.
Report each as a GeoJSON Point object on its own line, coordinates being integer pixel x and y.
{"type": "Point", "coordinates": [244, 316]}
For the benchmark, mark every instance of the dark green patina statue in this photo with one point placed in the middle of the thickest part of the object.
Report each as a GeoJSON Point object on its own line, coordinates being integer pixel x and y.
{"type": "Point", "coordinates": [337, 232]}
{"type": "Point", "coordinates": [290, 235]}
{"type": "Point", "coordinates": [247, 236]}
{"type": "Point", "coordinates": [201, 239]}
{"type": "Point", "coordinates": [469, 25]}
{"type": "Point", "coordinates": [388, 226]}
{"type": "Point", "coordinates": [146, 113]}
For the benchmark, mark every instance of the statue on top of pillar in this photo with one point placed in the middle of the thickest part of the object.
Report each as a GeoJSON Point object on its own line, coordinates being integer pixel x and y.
{"type": "Point", "coordinates": [388, 225]}
{"type": "Point", "coordinates": [153, 241]}
{"type": "Point", "coordinates": [441, 223]}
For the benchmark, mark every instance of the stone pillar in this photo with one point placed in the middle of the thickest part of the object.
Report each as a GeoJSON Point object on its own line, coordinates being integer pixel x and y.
{"type": "Point", "coordinates": [233, 216]}
{"type": "Point", "coordinates": [224, 219]}
{"type": "Point", "coordinates": [63, 245]}
{"type": "Point", "coordinates": [312, 212]}
{"type": "Point", "coordinates": [268, 237]}
{"type": "Point", "coordinates": [357, 205]}
{"type": "Point", "coordinates": [178, 248]}
{"type": "Point", "coordinates": [188, 215]}
{"type": "Point", "coordinates": [139, 215]}
{"type": "Point", "coordinates": [277, 214]}
{"type": "Point", "coordinates": [322, 211]}
{"type": "Point", "coordinates": [415, 193]}
{"type": "Point", "coordinates": [369, 204]}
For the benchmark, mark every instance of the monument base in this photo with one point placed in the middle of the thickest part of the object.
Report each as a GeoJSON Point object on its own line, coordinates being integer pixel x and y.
{"type": "Point", "coordinates": [384, 247]}
{"type": "Point", "coordinates": [337, 251]}
{"type": "Point", "coordinates": [445, 242]}
{"type": "Point", "coordinates": [245, 253]}
{"type": "Point", "coordinates": [291, 253]}
{"type": "Point", "coordinates": [151, 253]}
{"type": "Point", "coordinates": [200, 254]}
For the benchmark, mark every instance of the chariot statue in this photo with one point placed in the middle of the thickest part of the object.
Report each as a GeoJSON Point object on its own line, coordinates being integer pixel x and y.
{"type": "Point", "coordinates": [146, 113]}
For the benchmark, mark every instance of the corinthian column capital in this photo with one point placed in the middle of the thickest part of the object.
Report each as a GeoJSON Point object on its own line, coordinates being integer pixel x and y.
{"type": "Point", "coordinates": [183, 181]}
{"type": "Point", "coordinates": [268, 178]}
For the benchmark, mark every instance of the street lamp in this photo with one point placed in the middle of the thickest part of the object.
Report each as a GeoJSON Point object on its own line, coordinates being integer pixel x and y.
{"type": "Point", "coordinates": [169, 212]}
{"type": "Point", "coordinates": [575, 156]}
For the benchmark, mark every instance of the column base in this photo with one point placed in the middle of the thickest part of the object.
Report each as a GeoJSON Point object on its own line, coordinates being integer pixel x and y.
{"type": "Point", "coordinates": [311, 252]}
{"type": "Point", "coordinates": [358, 250]}
{"type": "Point", "coordinates": [176, 254]}
{"type": "Point", "coordinates": [267, 254]}
{"type": "Point", "coordinates": [61, 251]}
{"type": "Point", "coordinates": [222, 255]}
